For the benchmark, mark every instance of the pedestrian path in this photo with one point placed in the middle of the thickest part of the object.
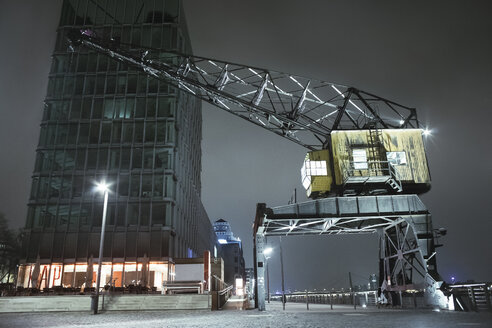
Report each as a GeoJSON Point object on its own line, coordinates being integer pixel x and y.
{"type": "Point", "coordinates": [236, 303]}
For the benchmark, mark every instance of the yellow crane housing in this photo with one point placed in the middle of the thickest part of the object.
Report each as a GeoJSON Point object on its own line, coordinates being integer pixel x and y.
{"type": "Point", "coordinates": [368, 161]}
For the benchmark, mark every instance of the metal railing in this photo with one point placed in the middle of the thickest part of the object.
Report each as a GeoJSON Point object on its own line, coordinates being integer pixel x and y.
{"type": "Point", "coordinates": [371, 172]}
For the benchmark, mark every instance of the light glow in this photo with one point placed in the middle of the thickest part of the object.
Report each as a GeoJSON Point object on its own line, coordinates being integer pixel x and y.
{"type": "Point", "coordinates": [102, 186]}
{"type": "Point", "coordinates": [267, 251]}
{"type": "Point", "coordinates": [426, 132]}
{"type": "Point", "coordinates": [222, 241]}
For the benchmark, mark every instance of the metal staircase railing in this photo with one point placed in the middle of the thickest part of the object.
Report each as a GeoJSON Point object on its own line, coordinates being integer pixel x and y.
{"type": "Point", "coordinates": [376, 172]}
{"type": "Point", "coordinates": [395, 181]}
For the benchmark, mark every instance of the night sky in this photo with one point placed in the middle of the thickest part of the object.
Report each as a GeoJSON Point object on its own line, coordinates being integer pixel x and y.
{"type": "Point", "coordinates": [435, 56]}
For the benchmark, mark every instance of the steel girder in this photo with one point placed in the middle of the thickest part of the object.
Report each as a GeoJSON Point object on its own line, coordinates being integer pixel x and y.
{"type": "Point", "coordinates": [403, 223]}
{"type": "Point", "coordinates": [300, 109]}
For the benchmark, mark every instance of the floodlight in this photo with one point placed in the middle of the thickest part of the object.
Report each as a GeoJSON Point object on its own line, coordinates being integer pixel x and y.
{"type": "Point", "coordinates": [102, 186]}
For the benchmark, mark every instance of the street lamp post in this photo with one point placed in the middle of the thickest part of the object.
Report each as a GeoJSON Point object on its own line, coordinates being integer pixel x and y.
{"type": "Point", "coordinates": [282, 272]}
{"type": "Point", "coordinates": [268, 281]}
{"type": "Point", "coordinates": [101, 187]}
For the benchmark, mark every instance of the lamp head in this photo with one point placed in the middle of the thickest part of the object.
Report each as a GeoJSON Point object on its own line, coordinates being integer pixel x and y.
{"type": "Point", "coordinates": [267, 251]}
{"type": "Point", "coordinates": [102, 186]}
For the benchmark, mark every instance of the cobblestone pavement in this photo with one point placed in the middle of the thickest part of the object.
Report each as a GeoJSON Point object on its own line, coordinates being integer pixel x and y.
{"type": "Point", "coordinates": [295, 315]}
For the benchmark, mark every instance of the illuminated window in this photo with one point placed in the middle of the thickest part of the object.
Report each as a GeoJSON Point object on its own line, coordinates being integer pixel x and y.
{"type": "Point", "coordinates": [397, 157]}
{"type": "Point", "coordinates": [312, 168]}
{"type": "Point", "coordinates": [360, 159]}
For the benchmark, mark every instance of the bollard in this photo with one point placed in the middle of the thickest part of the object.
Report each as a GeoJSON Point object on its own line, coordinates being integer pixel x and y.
{"type": "Point", "coordinates": [331, 302]}
{"type": "Point", "coordinates": [307, 300]}
{"type": "Point", "coordinates": [93, 303]}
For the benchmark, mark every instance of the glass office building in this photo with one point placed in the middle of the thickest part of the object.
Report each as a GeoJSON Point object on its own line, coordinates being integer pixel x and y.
{"type": "Point", "coordinates": [106, 121]}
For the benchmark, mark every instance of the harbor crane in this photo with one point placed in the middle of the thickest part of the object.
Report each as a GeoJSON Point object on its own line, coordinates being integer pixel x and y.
{"type": "Point", "coordinates": [364, 169]}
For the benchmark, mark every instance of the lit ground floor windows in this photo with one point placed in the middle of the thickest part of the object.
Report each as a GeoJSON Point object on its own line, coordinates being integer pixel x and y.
{"type": "Point", "coordinates": [84, 275]}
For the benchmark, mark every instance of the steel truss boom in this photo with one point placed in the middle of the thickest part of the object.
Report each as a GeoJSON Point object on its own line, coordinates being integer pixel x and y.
{"type": "Point", "coordinates": [302, 110]}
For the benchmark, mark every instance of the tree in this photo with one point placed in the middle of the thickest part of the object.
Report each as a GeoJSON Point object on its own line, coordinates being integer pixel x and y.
{"type": "Point", "coordinates": [9, 252]}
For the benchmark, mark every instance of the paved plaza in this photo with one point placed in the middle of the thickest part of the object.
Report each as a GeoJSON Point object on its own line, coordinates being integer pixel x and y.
{"type": "Point", "coordinates": [295, 315]}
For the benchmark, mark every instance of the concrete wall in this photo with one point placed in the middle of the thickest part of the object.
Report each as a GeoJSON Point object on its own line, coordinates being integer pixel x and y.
{"type": "Point", "coordinates": [192, 271]}
{"type": "Point", "coordinates": [115, 302]}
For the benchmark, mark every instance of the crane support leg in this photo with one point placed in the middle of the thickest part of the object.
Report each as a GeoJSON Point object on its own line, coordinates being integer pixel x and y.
{"type": "Point", "coordinates": [407, 257]}
{"type": "Point", "coordinates": [260, 271]}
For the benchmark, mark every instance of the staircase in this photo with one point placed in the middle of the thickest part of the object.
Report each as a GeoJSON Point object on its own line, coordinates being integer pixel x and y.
{"type": "Point", "coordinates": [82, 303]}
{"type": "Point", "coordinates": [378, 154]}
{"type": "Point", "coordinates": [394, 182]}
{"type": "Point", "coordinates": [480, 298]}
{"type": "Point", "coordinates": [159, 302]}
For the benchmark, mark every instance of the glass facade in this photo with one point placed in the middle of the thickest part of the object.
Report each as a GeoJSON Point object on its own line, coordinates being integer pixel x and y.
{"type": "Point", "coordinates": [105, 120]}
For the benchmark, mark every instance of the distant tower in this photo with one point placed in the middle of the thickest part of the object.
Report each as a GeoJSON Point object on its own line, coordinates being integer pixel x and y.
{"type": "Point", "coordinates": [223, 230]}
{"type": "Point", "coordinates": [231, 251]}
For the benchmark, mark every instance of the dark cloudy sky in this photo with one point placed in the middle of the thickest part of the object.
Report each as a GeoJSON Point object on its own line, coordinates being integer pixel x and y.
{"type": "Point", "coordinates": [432, 55]}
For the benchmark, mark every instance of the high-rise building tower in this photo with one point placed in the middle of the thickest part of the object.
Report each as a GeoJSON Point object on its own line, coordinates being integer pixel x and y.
{"type": "Point", "coordinates": [104, 120]}
{"type": "Point", "coordinates": [231, 251]}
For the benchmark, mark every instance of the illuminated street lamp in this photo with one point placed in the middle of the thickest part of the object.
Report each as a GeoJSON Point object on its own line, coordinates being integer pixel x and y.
{"type": "Point", "coordinates": [102, 187]}
{"type": "Point", "coordinates": [282, 273]}
{"type": "Point", "coordinates": [267, 251]}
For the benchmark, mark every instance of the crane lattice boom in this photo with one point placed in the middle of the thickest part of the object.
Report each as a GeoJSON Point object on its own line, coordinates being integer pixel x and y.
{"type": "Point", "coordinates": [300, 109]}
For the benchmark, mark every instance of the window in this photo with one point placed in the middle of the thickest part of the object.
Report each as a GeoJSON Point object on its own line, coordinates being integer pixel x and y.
{"type": "Point", "coordinates": [114, 161]}
{"type": "Point", "coordinates": [164, 107]}
{"type": "Point", "coordinates": [149, 132]}
{"type": "Point", "coordinates": [125, 159]}
{"type": "Point", "coordinates": [312, 168]}
{"type": "Point", "coordinates": [137, 158]}
{"type": "Point", "coordinates": [127, 132]}
{"type": "Point", "coordinates": [148, 158]}
{"type": "Point", "coordinates": [147, 186]}
{"type": "Point", "coordinates": [140, 108]}
{"type": "Point", "coordinates": [141, 84]}
{"type": "Point", "coordinates": [124, 185]}
{"type": "Point", "coordinates": [72, 133]}
{"type": "Point", "coordinates": [144, 214]}
{"type": "Point", "coordinates": [135, 185]}
{"type": "Point", "coordinates": [132, 214]}
{"type": "Point", "coordinates": [106, 132]}
{"type": "Point", "coordinates": [360, 159]}
{"type": "Point", "coordinates": [108, 108]}
{"type": "Point", "coordinates": [110, 84]}
{"type": "Point", "coordinates": [397, 157]}
{"type": "Point", "coordinates": [139, 132]}
{"type": "Point", "coordinates": [69, 160]}
{"type": "Point", "coordinates": [116, 132]}
{"type": "Point", "coordinates": [150, 107]}
{"type": "Point", "coordinates": [158, 186]}
{"type": "Point", "coordinates": [162, 159]}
